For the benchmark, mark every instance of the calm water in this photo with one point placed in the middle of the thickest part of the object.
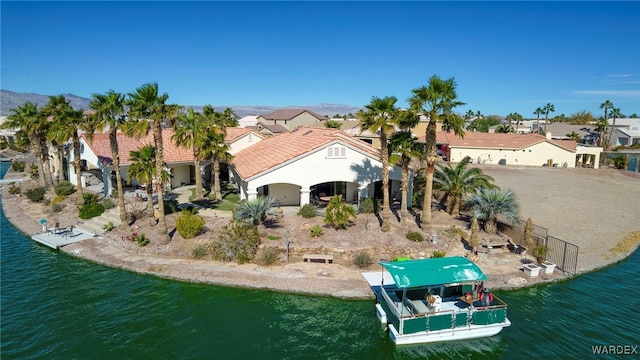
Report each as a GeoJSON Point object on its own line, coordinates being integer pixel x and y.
{"type": "Point", "coordinates": [54, 306]}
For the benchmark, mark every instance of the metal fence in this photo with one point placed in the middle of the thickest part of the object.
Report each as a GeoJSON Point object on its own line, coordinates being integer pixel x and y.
{"type": "Point", "coordinates": [562, 253]}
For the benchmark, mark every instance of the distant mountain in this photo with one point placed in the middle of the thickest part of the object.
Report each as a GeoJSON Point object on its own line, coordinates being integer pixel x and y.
{"type": "Point", "coordinates": [10, 100]}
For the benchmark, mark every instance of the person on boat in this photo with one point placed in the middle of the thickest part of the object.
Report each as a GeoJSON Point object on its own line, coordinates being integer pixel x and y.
{"type": "Point", "coordinates": [486, 298]}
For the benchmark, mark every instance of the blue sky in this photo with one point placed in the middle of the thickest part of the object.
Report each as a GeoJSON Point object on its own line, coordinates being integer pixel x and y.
{"type": "Point", "coordinates": [505, 56]}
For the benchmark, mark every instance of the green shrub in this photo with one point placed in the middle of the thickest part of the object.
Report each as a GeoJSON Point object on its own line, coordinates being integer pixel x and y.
{"type": "Point", "coordinates": [236, 242]}
{"type": "Point", "coordinates": [199, 250]}
{"type": "Point", "coordinates": [57, 208]}
{"type": "Point", "coordinates": [36, 194]}
{"type": "Point", "coordinates": [454, 232]}
{"type": "Point", "coordinates": [33, 171]}
{"type": "Point", "coordinates": [189, 224]}
{"type": "Point", "coordinates": [273, 237]}
{"type": "Point", "coordinates": [63, 188]}
{"type": "Point", "coordinates": [142, 240]}
{"type": "Point", "coordinates": [415, 236]}
{"type": "Point", "coordinates": [108, 226]}
{"type": "Point", "coordinates": [107, 203]}
{"type": "Point", "coordinates": [14, 190]}
{"type": "Point", "coordinates": [58, 199]}
{"type": "Point", "coordinates": [307, 211]}
{"type": "Point", "coordinates": [90, 198]}
{"type": "Point", "coordinates": [91, 210]}
{"type": "Point", "coordinates": [17, 166]}
{"type": "Point", "coordinates": [369, 206]}
{"type": "Point", "coordinates": [269, 256]}
{"type": "Point", "coordinates": [338, 213]}
{"type": "Point", "coordinates": [316, 231]}
{"type": "Point", "coordinates": [363, 260]}
{"type": "Point", "coordinates": [438, 254]}
{"type": "Point", "coordinates": [170, 206]}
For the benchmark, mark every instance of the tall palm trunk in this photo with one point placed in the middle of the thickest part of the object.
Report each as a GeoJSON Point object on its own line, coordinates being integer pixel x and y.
{"type": "Point", "coordinates": [46, 164]}
{"type": "Point", "coordinates": [386, 211]}
{"type": "Point", "coordinates": [149, 188]}
{"type": "Point", "coordinates": [60, 153]}
{"type": "Point", "coordinates": [35, 146]}
{"type": "Point", "coordinates": [403, 190]}
{"type": "Point", "coordinates": [113, 142]}
{"type": "Point", "coordinates": [216, 177]}
{"type": "Point", "coordinates": [430, 157]}
{"type": "Point", "coordinates": [162, 225]}
{"type": "Point", "coordinates": [196, 164]}
{"type": "Point", "coordinates": [76, 164]}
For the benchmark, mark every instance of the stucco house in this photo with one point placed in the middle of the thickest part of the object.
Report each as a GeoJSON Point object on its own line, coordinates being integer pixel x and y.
{"type": "Point", "coordinates": [311, 164]}
{"type": "Point", "coordinates": [291, 118]}
{"type": "Point", "coordinates": [626, 132]}
{"type": "Point", "coordinates": [97, 161]}
{"type": "Point", "coordinates": [516, 149]}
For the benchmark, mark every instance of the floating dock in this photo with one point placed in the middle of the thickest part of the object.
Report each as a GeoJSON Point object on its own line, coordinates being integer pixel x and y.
{"type": "Point", "coordinates": [61, 237]}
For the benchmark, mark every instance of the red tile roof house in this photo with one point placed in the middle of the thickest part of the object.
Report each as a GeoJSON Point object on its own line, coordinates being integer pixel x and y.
{"type": "Point", "coordinates": [97, 155]}
{"type": "Point", "coordinates": [309, 164]}
{"type": "Point", "coordinates": [516, 149]}
{"type": "Point", "coordinates": [291, 118]}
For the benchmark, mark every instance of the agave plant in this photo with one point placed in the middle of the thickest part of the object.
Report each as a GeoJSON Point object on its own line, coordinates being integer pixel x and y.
{"type": "Point", "coordinates": [487, 204]}
{"type": "Point", "coordinates": [255, 211]}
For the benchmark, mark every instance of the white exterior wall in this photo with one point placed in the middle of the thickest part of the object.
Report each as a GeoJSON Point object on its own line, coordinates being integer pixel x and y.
{"type": "Point", "coordinates": [181, 175]}
{"type": "Point", "coordinates": [243, 143]}
{"type": "Point", "coordinates": [536, 155]}
{"type": "Point", "coordinates": [287, 194]}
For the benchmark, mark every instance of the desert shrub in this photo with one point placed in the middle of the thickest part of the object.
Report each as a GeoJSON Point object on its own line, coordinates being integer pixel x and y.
{"type": "Point", "coordinates": [438, 254]}
{"type": "Point", "coordinates": [90, 198]}
{"type": "Point", "coordinates": [199, 250]}
{"type": "Point", "coordinates": [362, 260]}
{"type": "Point", "coordinates": [57, 208]}
{"type": "Point", "coordinates": [171, 206]}
{"type": "Point", "coordinates": [58, 199]}
{"type": "Point", "coordinates": [14, 190]}
{"type": "Point", "coordinates": [108, 226]}
{"type": "Point", "coordinates": [369, 206]}
{"type": "Point", "coordinates": [142, 240]}
{"type": "Point", "coordinates": [315, 231]}
{"type": "Point", "coordinates": [454, 232]}
{"type": "Point", "coordinates": [91, 210]}
{"type": "Point", "coordinates": [107, 203]}
{"type": "Point", "coordinates": [17, 166]}
{"type": "Point", "coordinates": [63, 188]}
{"type": "Point", "coordinates": [273, 237]}
{"type": "Point", "coordinates": [415, 236]}
{"type": "Point", "coordinates": [36, 194]}
{"type": "Point", "coordinates": [33, 171]}
{"type": "Point", "coordinates": [189, 224]}
{"type": "Point", "coordinates": [338, 213]}
{"type": "Point", "coordinates": [307, 211]}
{"type": "Point", "coordinates": [236, 242]}
{"type": "Point", "coordinates": [268, 256]}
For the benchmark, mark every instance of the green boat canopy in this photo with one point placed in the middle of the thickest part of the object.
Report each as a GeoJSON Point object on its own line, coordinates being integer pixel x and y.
{"type": "Point", "coordinates": [436, 271]}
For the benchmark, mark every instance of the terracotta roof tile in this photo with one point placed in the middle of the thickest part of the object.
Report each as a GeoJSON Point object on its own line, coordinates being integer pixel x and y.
{"type": "Point", "coordinates": [277, 150]}
{"type": "Point", "coordinates": [497, 140]}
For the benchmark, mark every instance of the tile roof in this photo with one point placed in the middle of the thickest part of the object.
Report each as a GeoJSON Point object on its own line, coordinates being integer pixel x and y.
{"type": "Point", "coordinates": [235, 133]}
{"type": "Point", "coordinates": [288, 114]}
{"type": "Point", "coordinates": [291, 145]}
{"type": "Point", "coordinates": [172, 153]}
{"type": "Point", "coordinates": [497, 140]}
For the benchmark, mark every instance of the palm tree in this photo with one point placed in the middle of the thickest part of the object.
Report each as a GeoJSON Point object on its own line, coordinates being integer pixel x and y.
{"type": "Point", "coordinates": [254, 212]}
{"type": "Point", "coordinates": [436, 101]}
{"type": "Point", "coordinates": [380, 116]}
{"type": "Point", "coordinates": [457, 182]}
{"type": "Point", "coordinates": [108, 111]}
{"type": "Point", "coordinates": [469, 114]}
{"type": "Point", "coordinates": [547, 108]}
{"type": "Point", "coordinates": [33, 125]}
{"type": "Point", "coordinates": [515, 117]}
{"type": "Point", "coordinates": [404, 147]}
{"type": "Point", "coordinates": [615, 113]}
{"type": "Point", "coordinates": [504, 129]}
{"type": "Point", "coordinates": [606, 105]}
{"type": "Point", "coordinates": [338, 213]}
{"type": "Point", "coordinates": [149, 110]}
{"type": "Point", "coordinates": [56, 111]}
{"type": "Point", "coordinates": [214, 145]}
{"type": "Point", "coordinates": [487, 204]}
{"type": "Point", "coordinates": [602, 126]}
{"type": "Point", "coordinates": [573, 136]}
{"type": "Point", "coordinates": [143, 170]}
{"type": "Point", "coordinates": [190, 133]}
{"type": "Point", "coordinates": [538, 111]}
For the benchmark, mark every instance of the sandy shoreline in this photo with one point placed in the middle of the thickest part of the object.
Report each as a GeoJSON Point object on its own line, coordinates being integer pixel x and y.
{"type": "Point", "coordinates": [550, 196]}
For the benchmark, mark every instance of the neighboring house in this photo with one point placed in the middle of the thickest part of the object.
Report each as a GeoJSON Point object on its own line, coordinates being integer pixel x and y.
{"type": "Point", "coordinates": [291, 118]}
{"type": "Point", "coordinates": [246, 121]}
{"type": "Point", "coordinates": [516, 149]}
{"type": "Point", "coordinates": [311, 164]}
{"type": "Point", "coordinates": [626, 133]}
{"type": "Point", "coordinates": [268, 130]}
{"type": "Point", "coordinates": [96, 157]}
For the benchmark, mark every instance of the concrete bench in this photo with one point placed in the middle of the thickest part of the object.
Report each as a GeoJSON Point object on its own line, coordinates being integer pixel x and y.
{"type": "Point", "coordinates": [327, 259]}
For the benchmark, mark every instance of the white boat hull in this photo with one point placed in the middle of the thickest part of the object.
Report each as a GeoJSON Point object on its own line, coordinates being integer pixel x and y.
{"type": "Point", "coordinates": [459, 333]}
